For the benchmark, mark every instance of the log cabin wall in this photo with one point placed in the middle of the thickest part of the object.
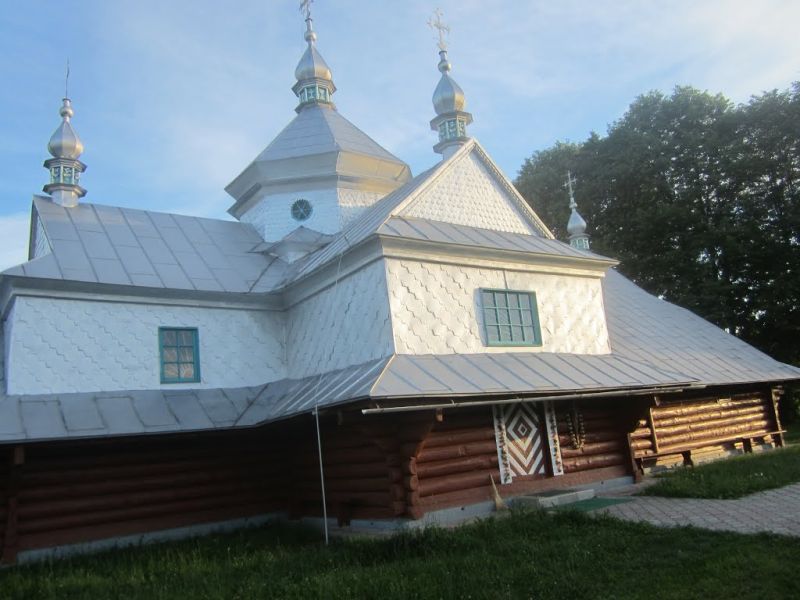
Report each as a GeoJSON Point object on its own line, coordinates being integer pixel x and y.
{"type": "Point", "coordinates": [591, 434]}
{"type": "Point", "coordinates": [363, 477]}
{"type": "Point", "coordinates": [83, 491]}
{"type": "Point", "coordinates": [689, 429]}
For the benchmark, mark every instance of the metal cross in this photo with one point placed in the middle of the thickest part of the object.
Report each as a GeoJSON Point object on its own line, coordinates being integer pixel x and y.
{"type": "Point", "coordinates": [66, 82]}
{"type": "Point", "coordinates": [435, 22]}
{"type": "Point", "coordinates": [305, 7]}
{"type": "Point", "coordinates": [568, 185]}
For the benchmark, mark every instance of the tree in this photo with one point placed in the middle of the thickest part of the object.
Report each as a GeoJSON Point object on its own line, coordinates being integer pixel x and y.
{"type": "Point", "coordinates": [698, 199]}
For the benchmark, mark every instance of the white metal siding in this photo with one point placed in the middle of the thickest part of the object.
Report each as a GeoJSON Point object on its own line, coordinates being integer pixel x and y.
{"type": "Point", "coordinates": [436, 309]}
{"type": "Point", "coordinates": [61, 346]}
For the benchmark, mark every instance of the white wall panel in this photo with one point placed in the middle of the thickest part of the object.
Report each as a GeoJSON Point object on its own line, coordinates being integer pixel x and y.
{"type": "Point", "coordinates": [64, 346]}
{"type": "Point", "coordinates": [467, 194]}
{"type": "Point", "coordinates": [436, 309]}
{"type": "Point", "coordinates": [341, 326]}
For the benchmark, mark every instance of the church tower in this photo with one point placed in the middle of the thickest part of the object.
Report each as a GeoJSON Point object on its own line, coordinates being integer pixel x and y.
{"type": "Point", "coordinates": [321, 171]}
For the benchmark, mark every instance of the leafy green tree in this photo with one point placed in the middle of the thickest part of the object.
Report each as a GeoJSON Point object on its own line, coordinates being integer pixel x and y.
{"type": "Point", "coordinates": [698, 199]}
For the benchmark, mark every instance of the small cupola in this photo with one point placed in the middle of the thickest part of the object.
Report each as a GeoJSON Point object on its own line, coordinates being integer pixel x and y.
{"type": "Point", "coordinates": [449, 101]}
{"type": "Point", "coordinates": [576, 226]}
{"type": "Point", "coordinates": [314, 85]}
{"type": "Point", "coordinates": [65, 169]}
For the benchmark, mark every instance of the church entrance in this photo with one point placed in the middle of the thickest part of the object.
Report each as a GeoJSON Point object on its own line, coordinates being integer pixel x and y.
{"type": "Point", "coordinates": [520, 441]}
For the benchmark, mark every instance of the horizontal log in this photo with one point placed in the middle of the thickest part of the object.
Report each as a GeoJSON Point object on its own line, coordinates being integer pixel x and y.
{"type": "Point", "coordinates": [668, 434]}
{"type": "Point", "coordinates": [59, 506]}
{"type": "Point", "coordinates": [459, 436]}
{"type": "Point", "coordinates": [641, 433]}
{"type": "Point", "coordinates": [446, 452]}
{"type": "Point", "coordinates": [99, 472]}
{"type": "Point", "coordinates": [451, 483]}
{"type": "Point", "coordinates": [695, 407]}
{"type": "Point", "coordinates": [604, 424]}
{"type": "Point", "coordinates": [597, 461]}
{"type": "Point", "coordinates": [457, 465]}
{"type": "Point", "coordinates": [121, 515]}
{"type": "Point", "coordinates": [691, 441]}
{"type": "Point", "coordinates": [349, 471]}
{"type": "Point", "coordinates": [589, 449]}
{"type": "Point", "coordinates": [592, 437]}
{"type": "Point", "coordinates": [231, 480]}
{"type": "Point", "coordinates": [338, 457]}
{"type": "Point", "coordinates": [643, 444]}
{"type": "Point", "coordinates": [334, 497]}
{"type": "Point", "coordinates": [411, 483]}
{"type": "Point", "coordinates": [754, 412]}
{"type": "Point", "coordinates": [410, 466]}
{"type": "Point", "coordinates": [82, 533]}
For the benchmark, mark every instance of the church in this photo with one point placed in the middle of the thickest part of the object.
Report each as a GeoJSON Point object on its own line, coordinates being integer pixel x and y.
{"type": "Point", "coordinates": [359, 343]}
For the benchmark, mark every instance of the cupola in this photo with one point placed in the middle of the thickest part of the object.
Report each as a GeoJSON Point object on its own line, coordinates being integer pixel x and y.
{"type": "Point", "coordinates": [65, 169]}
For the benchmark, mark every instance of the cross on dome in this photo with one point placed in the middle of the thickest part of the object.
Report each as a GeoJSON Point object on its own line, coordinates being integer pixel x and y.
{"type": "Point", "coordinates": [441, 27]}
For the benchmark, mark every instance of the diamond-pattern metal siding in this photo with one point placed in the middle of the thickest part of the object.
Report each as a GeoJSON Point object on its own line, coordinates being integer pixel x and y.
{"type": "Point", "coordinates": [436, 308]}
{"type": "Point", "coordinates": [343, 325]}
{"type": "Point", "coordinates": [62, 346]}
{"type": "Point", "coordinates": [467, 194]}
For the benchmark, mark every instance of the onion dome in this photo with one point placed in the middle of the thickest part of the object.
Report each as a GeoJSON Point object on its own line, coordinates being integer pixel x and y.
{"type": "Point", "coordinates": [65, 169]}
{"type": "Point", "coordinates": [449, 102]}
{"type": "Point", "coordinates": [65, 143]}
{"type": "Point", "coordinates": [314, 78]}
{"type": "Point", "coordinates": [448, 95]}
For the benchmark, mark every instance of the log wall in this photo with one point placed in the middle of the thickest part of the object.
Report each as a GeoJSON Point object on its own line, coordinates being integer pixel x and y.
{"type": "Point", "coordinates": [591, 435]}
{"type": "Point", "coordinates": [707, 425]}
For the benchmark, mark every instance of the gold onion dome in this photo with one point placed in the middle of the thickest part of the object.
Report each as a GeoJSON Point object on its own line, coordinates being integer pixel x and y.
{"type": "Point", "coordinates": [448, 95]}
{"type": "Point", "coordinates": [65, 143]}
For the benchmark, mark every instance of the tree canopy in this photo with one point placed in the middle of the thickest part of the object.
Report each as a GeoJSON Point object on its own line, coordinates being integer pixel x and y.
{"type": "Point", "coordinates": [699, 199]}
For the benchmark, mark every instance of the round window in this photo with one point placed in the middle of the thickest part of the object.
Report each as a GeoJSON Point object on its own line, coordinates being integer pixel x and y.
{"type": "Point", "coordinates": [301, 209]}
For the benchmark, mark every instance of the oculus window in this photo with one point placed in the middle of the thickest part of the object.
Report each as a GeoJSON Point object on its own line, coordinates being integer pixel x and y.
{"type": "Point", "coordinates": [301, 209]}
{"type": "Point", "coordinates": [510, 318]}
{"type": "Point", "coordinates": [180, 361]}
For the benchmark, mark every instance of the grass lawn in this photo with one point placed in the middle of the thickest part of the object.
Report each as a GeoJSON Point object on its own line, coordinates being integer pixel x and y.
{"type": "Point", "coordinates": [732, 477]}
{"type": "Point", "coordinates": [527, 555]}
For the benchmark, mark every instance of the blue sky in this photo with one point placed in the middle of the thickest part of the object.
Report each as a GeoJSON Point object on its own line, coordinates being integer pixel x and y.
{"type": "Point", "coordinates": [173, 99]}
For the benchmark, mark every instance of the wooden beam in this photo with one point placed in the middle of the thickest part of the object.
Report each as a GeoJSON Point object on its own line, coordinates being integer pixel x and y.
{"type": "Point", "coordinates": [776, 394]}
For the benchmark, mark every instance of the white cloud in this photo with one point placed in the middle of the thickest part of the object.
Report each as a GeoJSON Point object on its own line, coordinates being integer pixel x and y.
{"type": "Point", "coordinates": [14, 231]}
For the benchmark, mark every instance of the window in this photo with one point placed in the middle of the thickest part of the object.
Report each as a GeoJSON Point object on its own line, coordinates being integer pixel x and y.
{"type": "Point", "coordinates": [180, 362]}
{"type": "Point", "coordinates": [301, 210]}
{"type": "Point", "coordinates": [510, 318]}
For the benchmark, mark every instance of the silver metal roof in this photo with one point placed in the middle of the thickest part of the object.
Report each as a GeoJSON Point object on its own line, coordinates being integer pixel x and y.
{"type": "Point", "coordinates": [123, 246]}
{"type": "Point", "coordinates": [319, 130]}
{"type": "Point", "coordinates": [449, 233]}
{"type": "Point", "coordinates": [651, 330]}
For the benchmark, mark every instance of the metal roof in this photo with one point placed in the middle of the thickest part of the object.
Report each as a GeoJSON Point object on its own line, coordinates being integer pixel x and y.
{"type": "Point", "coordinates": [449, 233]}
{"type": "Point", "coordinates": [651, 330]}
{"type": "Point", "coordinates": [319, 130]}
{"type": "Point", "coordinates": [123, 246]}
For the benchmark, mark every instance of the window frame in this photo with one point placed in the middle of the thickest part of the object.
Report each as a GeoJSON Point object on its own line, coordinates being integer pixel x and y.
{"type": "Point", "coordinates": [535, 342]}
{"type": "Point", "coordinates": [195, 354]}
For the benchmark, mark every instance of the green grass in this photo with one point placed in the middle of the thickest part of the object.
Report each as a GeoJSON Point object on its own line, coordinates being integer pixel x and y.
{"type": "Point", "coordinates": [526, 555]}
{"type": "Point", "coordinates": [732, 477]}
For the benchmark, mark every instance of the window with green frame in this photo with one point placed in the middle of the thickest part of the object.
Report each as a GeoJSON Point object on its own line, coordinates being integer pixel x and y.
{"type": "Point", "coordinates": [180, 359]}
{"type": "Point", "coordinates": [510, 318]}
